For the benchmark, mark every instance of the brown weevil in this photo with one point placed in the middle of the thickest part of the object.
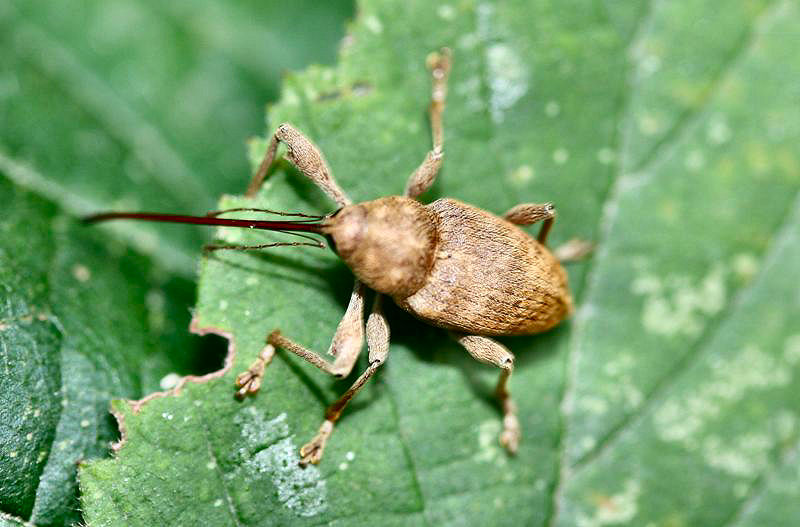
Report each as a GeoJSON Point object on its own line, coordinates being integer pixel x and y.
{"type": "Point", "coordinates": [449, 264]}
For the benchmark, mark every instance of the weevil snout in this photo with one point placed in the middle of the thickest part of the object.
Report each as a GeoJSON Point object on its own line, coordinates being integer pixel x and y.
{"type": "Point", "coordinates": [388, 243]}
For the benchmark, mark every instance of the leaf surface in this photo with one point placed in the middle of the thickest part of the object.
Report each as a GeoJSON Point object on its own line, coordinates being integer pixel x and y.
{"type": "Point", "coordinates": [667, 133]}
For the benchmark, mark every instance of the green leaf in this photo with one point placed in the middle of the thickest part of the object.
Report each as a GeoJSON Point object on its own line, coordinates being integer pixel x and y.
{"type": "Point", "coordinates": [668, 134]}
{"type": "Point", "coordinates": [79, 324]}
{"type": "Point", "coordinates": [121, 105]}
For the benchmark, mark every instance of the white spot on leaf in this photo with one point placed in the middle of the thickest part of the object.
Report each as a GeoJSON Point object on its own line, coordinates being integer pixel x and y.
{"type": "Point", "coordinates": [522, 175]}
{"type": "Point", "coordinates": [552, 109]}
{"type": "Point", "coordinates": [81, 273]}
{"type": "Point", "coordinates": [683, 420]}
{"type": "Point", "coordinates": [649, 124]}
{"type": "Point", "coordinates": [169, 381]}
{"type": "Point", "coordinates": [446, 12]}
{"type": "Point", "coordinates": [718, 131]}
{"type": "Point", "coordinates": [508, 79]}
{"type": "Point", "coordinates": [300, 489]}
{"type": "Point", "coordinates": [373, 24]}
{"type": "Point", "coordinates": [675, 306]}
{"type": "Point", "coordinates": [791, 350]}
{"type": "Point", "coordinates": [619, 508]}
{"type": "Point", "coordinates": [489, 450]}
{"type": "Point", "coordinates": [606, 156]}
{"type": "Point", "coordinates": [745, 265]}
{"type": "Point", "coordinates": [695, 160]}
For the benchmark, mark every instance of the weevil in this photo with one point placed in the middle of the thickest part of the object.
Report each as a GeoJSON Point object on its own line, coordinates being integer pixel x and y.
{"type": "Point", "coordinates": [449, 264]}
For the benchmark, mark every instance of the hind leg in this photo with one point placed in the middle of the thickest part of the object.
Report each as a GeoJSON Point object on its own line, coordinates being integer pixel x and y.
{"type": "Point", "coordinates": [490, 351]}
{"type": "Point", "coordinates": [530, 213]}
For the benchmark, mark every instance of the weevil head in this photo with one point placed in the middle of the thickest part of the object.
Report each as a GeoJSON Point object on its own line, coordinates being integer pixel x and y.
{"type": "Point", "coordinates": [389, 243]}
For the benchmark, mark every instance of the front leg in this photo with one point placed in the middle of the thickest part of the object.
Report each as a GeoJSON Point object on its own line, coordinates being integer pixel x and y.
{"type": "Point", "coordinates": [345, 346]}
{"type": "Point", "coordinates": [306, 156]}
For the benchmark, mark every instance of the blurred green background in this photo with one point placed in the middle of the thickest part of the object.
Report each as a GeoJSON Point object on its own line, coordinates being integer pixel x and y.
{"type": "Point", "coordinates": [148, 104]}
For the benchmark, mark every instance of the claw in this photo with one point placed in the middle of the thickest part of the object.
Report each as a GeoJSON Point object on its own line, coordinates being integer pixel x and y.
{"type": "Point", "coordinates": [249, 382]}
{"type": "Point", "coordinates": [311, 452]}
{"type": "Point", "coordinates": [510, 435]}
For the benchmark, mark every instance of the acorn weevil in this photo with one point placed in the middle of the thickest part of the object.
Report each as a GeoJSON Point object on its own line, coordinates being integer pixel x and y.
{"type": "Point", "coordinates": [449, 264]}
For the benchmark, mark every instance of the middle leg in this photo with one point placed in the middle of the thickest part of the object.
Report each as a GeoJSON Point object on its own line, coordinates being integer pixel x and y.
{"type": "Point", "coordinates": [345, 346]}
{"type": "Point", "coordinates": [378, 343]}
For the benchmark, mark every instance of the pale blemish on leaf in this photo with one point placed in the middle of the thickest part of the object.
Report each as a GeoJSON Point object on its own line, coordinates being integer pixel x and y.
{"type": "Point", "coordinates": [695, 160]}
{"type": "Point", "coordinates": [300, 489]}
{"type": "Point", "coordinates": [81, 273]}
{"type": "Point", "coordinates": [521, 175]}
{"type": "Point", "coordinates": [470, 91]}
{"type": "Point", "coordinates": [489, 450]}
{"type": "Point", "coordinates": [552, 109]}
{"type": "Point", "coordinates": [649, 64]}
{"type": "Point", "coordinates": [507, 73]}
{"type": "Point", "coordinates": [613, 510]}
{"type": "Point", "coordinates": [508, 79]}
{"type": "Point", "coordinates": [742, 456]}
{"type": "Point", "coordinates": [606, 156]}
{"type": "Point", "coordinates": [676, 305]}
{"type": "Point", "coordinates": [446, 12]}
{"type": "Point", "coordinates": [745, 266]}
{"type": "Point", "coordinates": [718, 131]}
{"type": "Point", "coordinates": [560, 156]}
{"type": "Point", "coordinates": [593, 405]}
{"type": "Point", "coordinates": [791, 350]}
{"type": "Point", "coordinates": [748, 455]}
{"type": "Point", "coordinates": [649, 124]}
{"type": "Point", "coordinates": [373, 24]}
{"type": "Point", "coordinates": [684, 420]}
{"type": "Point", "coordinates": [169, 381]}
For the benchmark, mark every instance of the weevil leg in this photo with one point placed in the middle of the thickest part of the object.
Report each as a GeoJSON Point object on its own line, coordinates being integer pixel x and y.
{"type": "Point", "coordinates": [249, 382]}
{"type": "Point", "coordinates": [574, 250]}
{"type": "Point", "coordinates": [346, 343]}
{"type": "Point", "coordinates": [346, 346]}
{"type": "Point", "coordinates": [490, 351]}
{"type": "Point", "coordinates": [306, 156]}
{"type": "Point", "coordinates": [424, 175]}
{"type": "Point", "coordinates": [378, 344]}
{"type": "Point", "coordinates": [530, 213]}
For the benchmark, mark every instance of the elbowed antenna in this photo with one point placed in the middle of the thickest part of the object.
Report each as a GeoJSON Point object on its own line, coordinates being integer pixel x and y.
{"type": "Point", "coordinates": [312, 224]}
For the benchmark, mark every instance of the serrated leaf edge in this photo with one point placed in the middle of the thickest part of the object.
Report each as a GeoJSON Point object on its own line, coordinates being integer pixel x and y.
{"type": "Point", "coordinates": [136, 405]}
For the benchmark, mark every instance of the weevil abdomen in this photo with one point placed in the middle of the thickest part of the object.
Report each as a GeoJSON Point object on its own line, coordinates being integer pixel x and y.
{"type": "Point", "coordinates": [489, 277]}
